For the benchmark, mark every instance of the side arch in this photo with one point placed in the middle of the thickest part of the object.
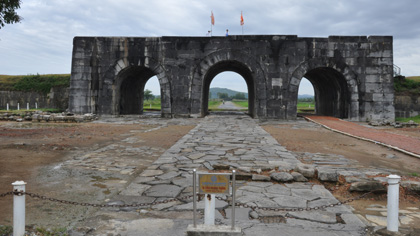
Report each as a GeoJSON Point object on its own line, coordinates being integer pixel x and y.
{"type": "Point", "coordinates": [131, 73]}
{"type": "Point", "coordinates": [228, 60]}
{"type": "Point", "coordinates": [335, 86]}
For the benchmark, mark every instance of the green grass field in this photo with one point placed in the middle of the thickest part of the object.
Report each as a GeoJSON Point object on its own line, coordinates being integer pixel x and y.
{"type": "Point", "coordinates": [214, 104]}
{"type": "Point", "coordinates": [415, 119]}
{"type": "Point", "coordinates": [238, 103]}
{"type": "Point", "coordinates": [414, 78]}
{"type": "Point", "coordinates": [152, 105]}
{"type": "Point", "coordinates": [23, 110]}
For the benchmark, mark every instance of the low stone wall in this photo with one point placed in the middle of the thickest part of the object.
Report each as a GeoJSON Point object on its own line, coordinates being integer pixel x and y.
{"type": "Point", "coordinates": [407, 105]}
{"type": "Point", "coordinates": [47, 117]}
{"type": "Point", "coordinates": [58, 98]}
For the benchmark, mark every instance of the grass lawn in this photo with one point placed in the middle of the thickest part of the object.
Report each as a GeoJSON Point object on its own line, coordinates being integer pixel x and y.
{"type": "Point", "coordinates": [154, 105]}
{"type": "Point", "coordinates": [214, 104]}
{"type": "Point", "coordinates": [414, 78]}
{"type": "Point", "coordinates": [23, 110]}
{"type": "Point", "coordinates": [415, 119]}
{"type": "Point", "coordinates": [306, 107]}
{"type": "Point", "coordinates": [239, 103]}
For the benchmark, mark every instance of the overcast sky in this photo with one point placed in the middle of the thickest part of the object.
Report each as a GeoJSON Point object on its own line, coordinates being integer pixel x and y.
{"type": "Point", "coordinates": [42, 42]}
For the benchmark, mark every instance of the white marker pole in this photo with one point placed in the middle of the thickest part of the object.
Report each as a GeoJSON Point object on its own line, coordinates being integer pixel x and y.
{"type": "Point", "coordinates": [19, 209]}
{"type": "Point", "coordinates": [36, 105]}
{"type": "Point", "coordinates": [393, 202]}
{"type": "Point", "coordinates": [209, 209]}
{"type": "Point", "coordinates": [7, 106]}
{"type": "Point", "coordinates": [18, 108]}
{"type": "Point", "coordinates": [27, 106]}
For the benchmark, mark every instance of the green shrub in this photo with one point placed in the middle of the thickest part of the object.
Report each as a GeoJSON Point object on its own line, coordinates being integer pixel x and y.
{"type": "Point", "coordinates": [6, 230]}
{"type": "Point", "coordinates": [406, 85]}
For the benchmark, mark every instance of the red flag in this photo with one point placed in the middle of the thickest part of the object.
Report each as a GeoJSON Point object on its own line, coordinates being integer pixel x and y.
{"type": "Point", "coordinates": [242, 19]}
{"type": "Point", "coordinates": [212, 18]}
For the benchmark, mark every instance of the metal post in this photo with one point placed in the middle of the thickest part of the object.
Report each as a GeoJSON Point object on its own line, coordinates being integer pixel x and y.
{"type": "Point", "coordinates": [195, 197]}
{"type": "Point", "coordinates": [19, 209]}
{"type": "Point", "coordinates": [209, 209]}
{"type": "Point", "coordinates": [233, 198]}
{"type": "Point", "coordinates": [393, 201]}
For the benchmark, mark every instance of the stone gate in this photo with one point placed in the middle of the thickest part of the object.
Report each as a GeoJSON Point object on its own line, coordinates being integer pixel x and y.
{"type": "Point", "coordinates": [352, 76]}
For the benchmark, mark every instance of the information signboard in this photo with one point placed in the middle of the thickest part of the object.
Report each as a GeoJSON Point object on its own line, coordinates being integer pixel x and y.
{"type": "Point", "coordinates": [214, 183]}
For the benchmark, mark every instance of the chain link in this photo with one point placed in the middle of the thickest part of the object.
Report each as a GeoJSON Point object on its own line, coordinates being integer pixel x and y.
{"type": "Point", "coordinates": [6, 194]}
{"type": "Point", "coordinates": [34, 195]}
{"type": "Point", "coordinates": [245, 205]}
{"type": "Point", "coordinates": [200, 196]}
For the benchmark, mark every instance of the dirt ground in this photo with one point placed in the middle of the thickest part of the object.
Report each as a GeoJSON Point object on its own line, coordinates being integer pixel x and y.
{"type": "Point", "coordinates": [314, 139]}
{"type": "Point", "coordinates": [34, 152]}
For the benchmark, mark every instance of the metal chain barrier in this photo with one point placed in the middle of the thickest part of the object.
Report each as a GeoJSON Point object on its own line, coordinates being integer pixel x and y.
{"type": "Point", "coordinates": [34, 195]}
{"type": "Point", "coordinates": [200, 196]}
{"type": "Point", "coordinates": [302, 209]}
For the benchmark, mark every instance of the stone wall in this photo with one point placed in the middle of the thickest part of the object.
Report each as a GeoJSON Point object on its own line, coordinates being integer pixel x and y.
{"type": "Point", "coordinates": [407, 105]}
{"type": "Point", "coordinates": [57, 99]}
{"type": "Point", "coordinates": [352, 75]}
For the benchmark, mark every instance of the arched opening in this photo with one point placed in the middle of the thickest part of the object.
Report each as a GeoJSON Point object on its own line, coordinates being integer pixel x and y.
{"type": "Point", "coordinates": [240, 70]}
{"type": "Point", "coordinates": [332, 97]}
{"type": "Point", "coordinates": [228, 92]}
{"type": "Point", "coordinates": [130, 92]}
{"type": "Point", "coordinates": [151, 97]}
{"type": "Point", "coordinates": [306, 98]}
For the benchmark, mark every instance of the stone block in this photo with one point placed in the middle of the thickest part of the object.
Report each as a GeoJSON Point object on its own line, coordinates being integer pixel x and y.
{"type": "Point", "coordinates": [306, 170]}
{"type": "Point", "coordinates": [281, 176]}
{"type": "Point", "coordinates": [367, 186]}
{"type": "Point", "coordinates": [328, 175]}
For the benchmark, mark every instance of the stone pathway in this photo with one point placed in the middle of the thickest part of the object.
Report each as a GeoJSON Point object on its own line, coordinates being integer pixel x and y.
{"type": "Point", "coordinates": [228, 105]}
{"type": "Point", "coordinates": [223, 143]}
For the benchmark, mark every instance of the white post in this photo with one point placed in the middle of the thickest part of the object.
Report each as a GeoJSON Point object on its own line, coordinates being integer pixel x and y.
{"type": "Point", "coordinates": [18, 108]}
{"type": "Point", "coordinates": [7, 106]}
{"type": "Point", "coordinates": [195, 197]}
{"type": "Point", "coordinates": [393, 201]}
{"type": "Point", "coordinates": [27, 106]}
{"type": "Point", "coordinates": [36, 105]}
{"type": "Point", "coordinates": [209, 209]}
{"type": "Point", "coordinates": [19, 209]}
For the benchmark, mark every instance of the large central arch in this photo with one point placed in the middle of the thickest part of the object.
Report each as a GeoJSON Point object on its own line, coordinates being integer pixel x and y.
{"type": "Point", "coordinates": [233, 66]}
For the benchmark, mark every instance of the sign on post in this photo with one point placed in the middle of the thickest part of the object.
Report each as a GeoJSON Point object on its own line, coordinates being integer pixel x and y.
{"type": "Point", "coordinates": [214, 183]}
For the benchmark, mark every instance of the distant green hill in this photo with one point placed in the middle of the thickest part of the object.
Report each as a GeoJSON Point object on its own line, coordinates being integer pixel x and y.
{"type": "Point", "coordinates": [215, 91]}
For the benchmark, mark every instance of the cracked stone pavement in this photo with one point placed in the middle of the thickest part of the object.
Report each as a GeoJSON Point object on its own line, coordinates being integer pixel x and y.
{"type": "Point", "coordinates": [221, 142]}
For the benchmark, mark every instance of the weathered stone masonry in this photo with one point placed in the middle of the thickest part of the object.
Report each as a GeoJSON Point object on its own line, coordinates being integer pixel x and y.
{"type": "Point", "coordinates": [352, 75]}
